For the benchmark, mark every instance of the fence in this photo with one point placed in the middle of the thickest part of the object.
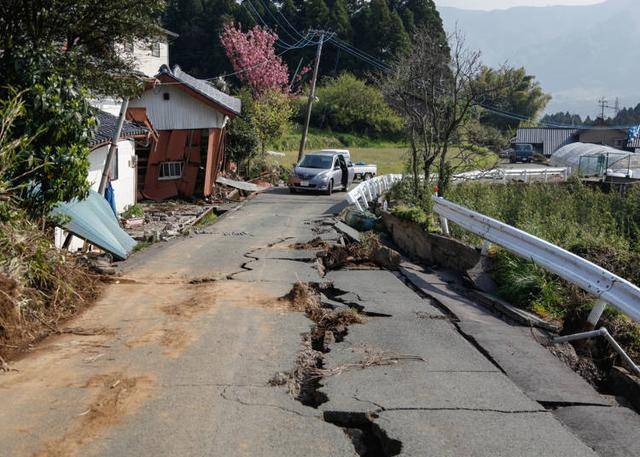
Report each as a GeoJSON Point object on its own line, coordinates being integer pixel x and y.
{"type": "Point", "coordinates": [542, 174]}
{"type": "Point", "coordinates": [368, 190]}
{"type": "Point", "coordinates": [609, 288]}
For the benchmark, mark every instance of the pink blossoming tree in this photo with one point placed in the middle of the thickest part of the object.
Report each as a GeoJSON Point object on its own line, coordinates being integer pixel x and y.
{"type": "Point", "coordinates": [254, 59]}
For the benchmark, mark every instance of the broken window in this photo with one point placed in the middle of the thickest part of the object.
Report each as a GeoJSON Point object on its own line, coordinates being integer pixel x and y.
{"type": "Point", "coordinates": [170, 170]}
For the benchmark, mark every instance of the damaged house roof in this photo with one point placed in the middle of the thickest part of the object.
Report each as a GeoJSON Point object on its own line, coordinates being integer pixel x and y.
{"type": "Point", "coordinates": [107, 127]}
{"type": "Point", "coordinates": [230, 104]}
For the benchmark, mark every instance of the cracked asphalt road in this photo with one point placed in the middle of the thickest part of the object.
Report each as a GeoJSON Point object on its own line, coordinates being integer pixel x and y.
{"type": "Point", "coordinates": [185, 345]}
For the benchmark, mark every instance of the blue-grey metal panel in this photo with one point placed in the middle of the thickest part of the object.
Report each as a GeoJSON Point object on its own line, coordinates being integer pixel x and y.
{"type": "Point", "coordinates": [92, 219]}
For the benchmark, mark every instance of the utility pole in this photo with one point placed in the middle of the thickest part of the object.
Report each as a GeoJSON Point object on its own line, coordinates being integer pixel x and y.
{"type": "Point", "coordinates": [113, 147]}
{"type": "Point", "coordinates": [312, 94]}
{"type": "Point", "coordinates": [603, 103]}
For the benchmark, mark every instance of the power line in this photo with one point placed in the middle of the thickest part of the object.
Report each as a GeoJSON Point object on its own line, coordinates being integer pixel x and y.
{"type": "Point", "coordinates": [304, 43]}
{"type": "Point", "coordinates": [252, 7]}
{"type": "Point", "coordinates": [362, 55]}
{"type": "Point", "coordinates": [265, 5]}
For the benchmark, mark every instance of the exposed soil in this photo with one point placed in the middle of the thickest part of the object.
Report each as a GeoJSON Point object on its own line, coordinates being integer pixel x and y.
{"type": "Point", "coordinates": [117, 395]}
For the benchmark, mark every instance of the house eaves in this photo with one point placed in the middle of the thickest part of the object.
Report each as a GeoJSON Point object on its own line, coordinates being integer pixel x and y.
{"type": "Point", "coordinates": [107, 126]}
{"type": "Point", "coordinates": [200, 88]}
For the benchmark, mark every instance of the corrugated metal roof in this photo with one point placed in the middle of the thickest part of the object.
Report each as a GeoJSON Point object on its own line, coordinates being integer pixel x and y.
{"type": "Point", "coordinates": [107, 126]}
{"type": "Point", "coordinates": [551, 138]}
{"type": "Point", "coordinates": [92, 219]}
{"type": "Point", "coordinates": [201, 86]}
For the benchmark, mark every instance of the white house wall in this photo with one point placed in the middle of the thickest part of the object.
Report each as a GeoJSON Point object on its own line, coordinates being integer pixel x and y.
{"type": "Point", "coordinates": [125, 186]}
{"type": "Point", "coordinates": [146, 62]}
{"type": "Point", "coordinates": [180, 112]}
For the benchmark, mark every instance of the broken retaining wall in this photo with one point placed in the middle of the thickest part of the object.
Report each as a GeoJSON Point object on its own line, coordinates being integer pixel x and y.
{"type": "Point", "coordinates": [431, 248]}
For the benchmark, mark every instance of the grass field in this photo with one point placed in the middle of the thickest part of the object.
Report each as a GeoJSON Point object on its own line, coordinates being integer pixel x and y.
{"type": "Point", "coordinates": [388, 159]}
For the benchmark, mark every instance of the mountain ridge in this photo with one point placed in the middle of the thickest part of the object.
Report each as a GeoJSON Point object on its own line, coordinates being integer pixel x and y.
{"type": "Point", "coordinates": [578, 53]}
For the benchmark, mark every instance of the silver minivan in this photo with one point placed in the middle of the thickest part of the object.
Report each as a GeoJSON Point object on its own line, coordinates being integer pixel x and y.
{"type": "Point", "coordinates": [323, 171]}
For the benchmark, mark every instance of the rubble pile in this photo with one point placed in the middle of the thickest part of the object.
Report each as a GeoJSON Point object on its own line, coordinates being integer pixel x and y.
{"type": "Point", "coordinates": [165, 220]}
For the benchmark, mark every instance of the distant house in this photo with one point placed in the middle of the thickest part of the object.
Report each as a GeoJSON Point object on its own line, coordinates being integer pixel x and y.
{"type": "Point", "coordinates": [188, 117]}
{"type": "Point", "coordinates": [547, 140]}
{"type": "Point", "coordinates": [606, 136]}
{"type": "Point", "coordinates": [149, 56]}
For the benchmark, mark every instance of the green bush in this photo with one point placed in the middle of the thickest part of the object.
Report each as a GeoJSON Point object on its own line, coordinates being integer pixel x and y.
{"type": "Point", "coordinates": [58, 122]}
{"type": "Point", "coordinates": [347, 104]}
{"type": "Point", "coordinates": [598, 226]}
{"type": "Point", "coordinates": [133, 211]}
{"type": "Point", "coordinates": [411, 213]}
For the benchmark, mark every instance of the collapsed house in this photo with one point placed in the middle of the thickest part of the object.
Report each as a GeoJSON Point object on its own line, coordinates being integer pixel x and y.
{"type": "Point", "coordinates": [185, 152]}
{"type": "Point", "coordinates": [171, 145]}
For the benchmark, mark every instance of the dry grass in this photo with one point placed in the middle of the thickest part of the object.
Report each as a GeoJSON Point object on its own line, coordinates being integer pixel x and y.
{"type": "Point", "coordinates": [39, 286]}
{"type": "Point", "coordinates": [372, 358]}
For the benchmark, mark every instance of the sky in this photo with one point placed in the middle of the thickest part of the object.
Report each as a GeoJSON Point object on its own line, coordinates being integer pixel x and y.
{"type": "Point", "coordinates": [504, 4]}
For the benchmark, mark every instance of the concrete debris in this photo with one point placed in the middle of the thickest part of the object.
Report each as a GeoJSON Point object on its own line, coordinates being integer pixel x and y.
{"type": "Point", "coordinates": [98, 263]}
{"type": "Point", "coordinates": [165, 220]}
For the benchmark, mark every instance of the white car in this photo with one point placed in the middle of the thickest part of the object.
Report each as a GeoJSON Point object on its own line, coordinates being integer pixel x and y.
{"type": "Point", "coordinates": [361, 170]}
{"type": "Point", "coordinates": [364, 171]}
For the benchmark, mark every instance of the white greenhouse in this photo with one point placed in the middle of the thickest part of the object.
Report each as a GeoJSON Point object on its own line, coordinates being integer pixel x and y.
{"type": "Point", "coordinates": [596, 160]}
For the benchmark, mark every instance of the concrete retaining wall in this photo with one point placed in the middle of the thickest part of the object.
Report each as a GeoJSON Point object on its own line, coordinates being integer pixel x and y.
{"type": "Point", "coordinates": [431, 248]}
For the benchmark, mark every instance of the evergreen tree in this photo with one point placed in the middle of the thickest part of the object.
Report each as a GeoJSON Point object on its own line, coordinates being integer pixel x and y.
{"type": "Point", "coordinates": [398, 39]}
{"type": "Point", "coordinates": [426, 15]}
{"type": "Point", "coordinates": [291, 15]}
{"type": "Point", "coordinates": [316, 13]}
{"type": "Point", "coordinates": [408, 21]}
{"type": "Point", "coordinates": [340, 21]}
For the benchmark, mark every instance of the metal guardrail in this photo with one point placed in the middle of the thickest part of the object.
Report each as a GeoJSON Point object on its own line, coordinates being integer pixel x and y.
{"type": "Point", "coordinates": [608, 287]}
{"type": "Point", "coordinates": [368, 190]}
{"type": "Point", "coordinates": [542, 174]}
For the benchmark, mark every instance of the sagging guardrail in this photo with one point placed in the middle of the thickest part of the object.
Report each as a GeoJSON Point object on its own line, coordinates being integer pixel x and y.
{"type": "Point", "coordinates": [368, 190]}
{"type": "Point", "coordinates": [609, 288]}
{"type": "Point", "coordinates": [542, 174]}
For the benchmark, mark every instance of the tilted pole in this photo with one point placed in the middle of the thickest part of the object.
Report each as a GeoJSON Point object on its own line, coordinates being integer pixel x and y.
{"type": "Point", "coordinates": [113, 147]}
{"type": "Point", "coordinates": [312, 94]}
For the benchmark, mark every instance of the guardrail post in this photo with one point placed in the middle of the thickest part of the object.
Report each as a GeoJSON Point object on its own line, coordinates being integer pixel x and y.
{"type": "Point", "coordinates": [596, 312]}
{"type": "Point", "coordinates": [486, 245]}
{"type": "Point", "coordinates": [444, 223]}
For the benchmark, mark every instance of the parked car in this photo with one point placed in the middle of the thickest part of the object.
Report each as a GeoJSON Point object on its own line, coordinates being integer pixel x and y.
{"type": "Point", "coordinates": [364, 171]}
{"type": "Point", "coordinates": [521, 153]}
{"type": "Point", "coordinates": [323, 171]}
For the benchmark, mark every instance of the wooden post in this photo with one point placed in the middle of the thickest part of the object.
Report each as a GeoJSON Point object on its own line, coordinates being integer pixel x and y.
{"type": "Point", "coordinates": [113, 147]}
